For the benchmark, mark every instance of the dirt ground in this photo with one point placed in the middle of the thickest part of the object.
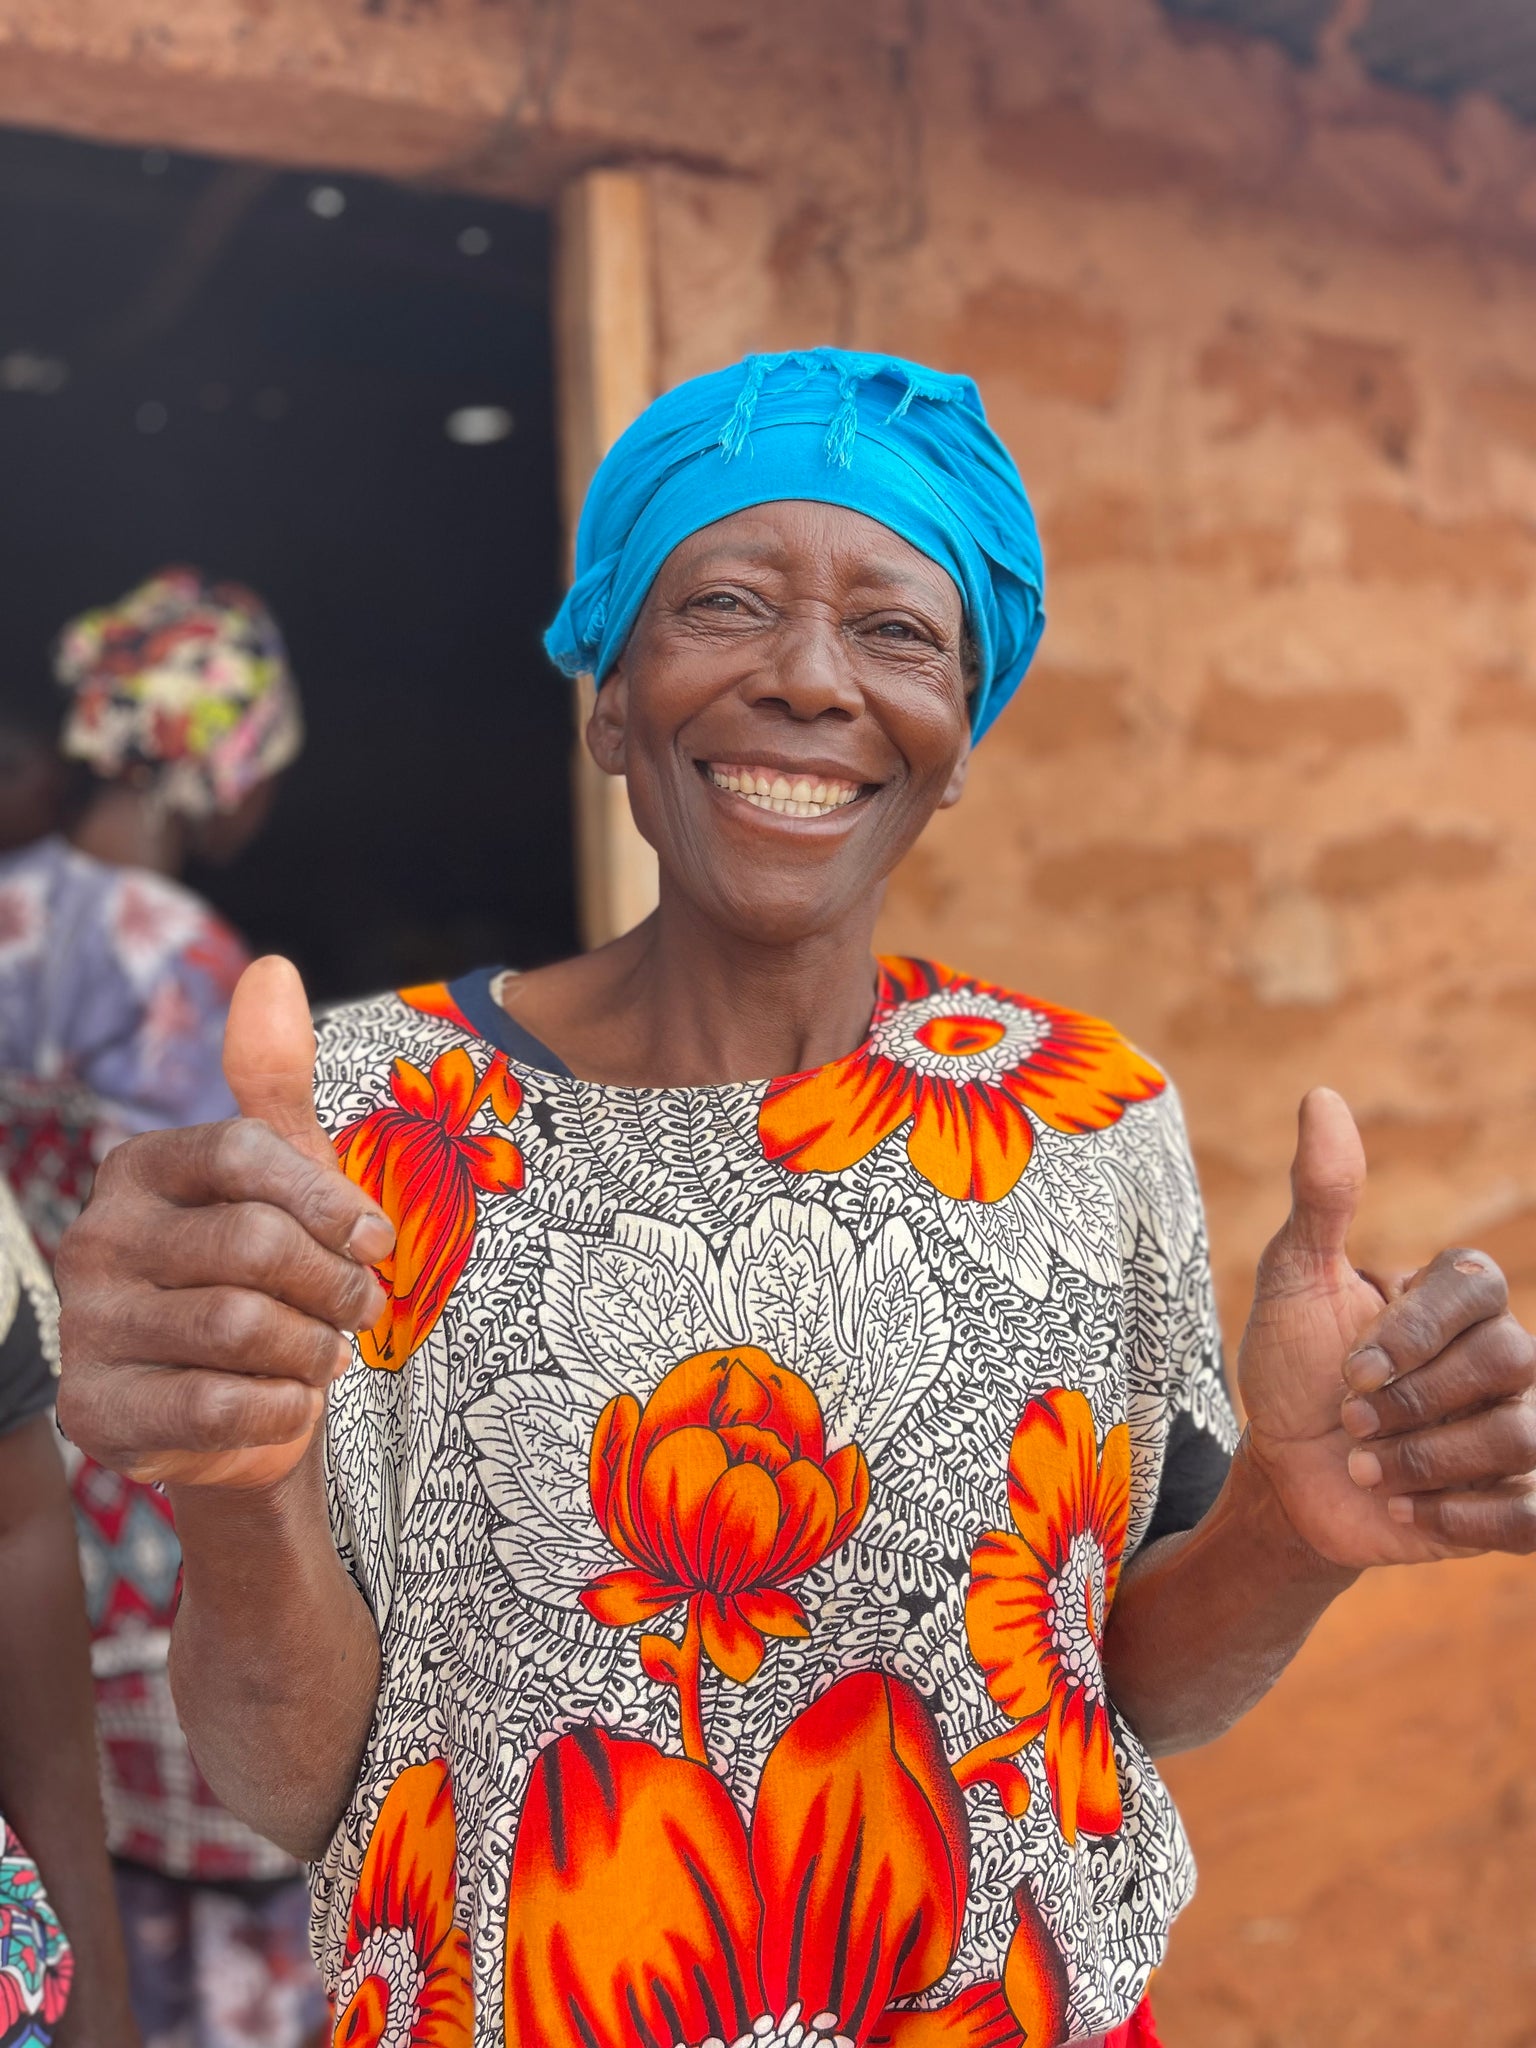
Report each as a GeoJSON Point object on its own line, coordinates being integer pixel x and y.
{"type": "Point", "coordinates": [1367, 1837]}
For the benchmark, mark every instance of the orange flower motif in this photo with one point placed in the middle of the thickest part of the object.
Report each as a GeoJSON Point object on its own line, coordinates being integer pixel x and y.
{"type": "Point", "coordinates": [641, 1909]}
{"type": "Point", "coordinates": [719, 1492]}
{"type": "Point", "coordinates": [1039, 1598]}
{"type": "Point", "coordinates": [960, 1062]}
{"type": "Point", "coordinates": [422, 1164]}
{"type": "Point", "coordinates": [405, 1968]}
{"type": "Point", "coordinates": [432, 999]}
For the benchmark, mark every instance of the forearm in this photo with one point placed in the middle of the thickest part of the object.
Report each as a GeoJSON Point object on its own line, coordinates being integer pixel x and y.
{"type": "Point", "coordinates": [48, 1784]}
{"type": "Point", "coordinates": [274, 1656]}
{"type": "Point", "coordinates": [1205, 1621]}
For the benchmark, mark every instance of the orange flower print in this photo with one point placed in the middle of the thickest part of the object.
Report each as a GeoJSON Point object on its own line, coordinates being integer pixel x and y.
{"type": "Point", "coordinates": [405, 1980]}
{"type": "Point", "coordinates": [433, 999]}
{"type": "Point", "coordinates": [422, 1164]}
{"type": "Point", "coordinates": [719, 1492]}
{"type": "Point", "coordinates": [642, 1909]}
{"type": "Point", "coordinates": [960, 1064]}
{"type": "Point", "coordinates": [1039, 1597]}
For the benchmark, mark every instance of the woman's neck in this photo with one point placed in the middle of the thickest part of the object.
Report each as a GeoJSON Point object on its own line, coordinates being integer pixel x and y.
{"type": "Point", "coordinates": [677, 1004]}
{"type": "Point", "coordinates": [126, 828]}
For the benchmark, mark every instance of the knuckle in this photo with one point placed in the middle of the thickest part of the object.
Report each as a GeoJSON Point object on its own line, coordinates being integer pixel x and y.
{"type": "Point", "coordinates": [77, 1334]}
{"type": "Point", "coordinates": [232, 1322]}
{"type": "Point", "coordinates": [1518, 1517]}
{"type": "Point", "coordinates": [259, 1238]}
{"type": "Point", "coordinates": [72, 1410]}
{"type": "Point", "coordinates": [204, 1408]}
{"type": "Point", "coordinates": [1415, 1459]}
{"type": "Point", "coordinates": [1521, 1428]}
{"type": "Point", "coordinates": [1406, 1402]}
{"type": "Point", "coordinates": [240, 1146]}
{"type": "Point", "coordinates": [1479, 1277]}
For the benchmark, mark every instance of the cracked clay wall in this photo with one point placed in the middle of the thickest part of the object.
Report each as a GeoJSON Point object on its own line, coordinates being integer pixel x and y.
{"type": "Point", "coordinates": [1261, 341]}
{"type": "Point", "coordinates": [1267, 798]}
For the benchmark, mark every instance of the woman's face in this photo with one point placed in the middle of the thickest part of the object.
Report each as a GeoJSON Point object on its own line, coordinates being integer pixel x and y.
{"type": "Point", "coordinates": [790, 710]}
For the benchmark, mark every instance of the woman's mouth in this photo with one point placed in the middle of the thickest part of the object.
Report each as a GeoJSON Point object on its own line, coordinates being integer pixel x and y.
{"type": "Point", "coordinates": [770, 789]}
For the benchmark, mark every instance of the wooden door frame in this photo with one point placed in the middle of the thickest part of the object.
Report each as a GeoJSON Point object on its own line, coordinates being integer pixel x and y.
{"type": "Point", "coordinates": [605, 374]}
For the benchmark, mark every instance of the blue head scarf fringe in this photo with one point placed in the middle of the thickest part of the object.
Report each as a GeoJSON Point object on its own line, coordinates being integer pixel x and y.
{"type": "Point", "coordinates": [902, 444]}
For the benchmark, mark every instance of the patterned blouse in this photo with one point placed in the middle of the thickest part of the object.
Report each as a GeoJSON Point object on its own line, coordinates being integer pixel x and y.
{"type": "Point", "coordinates": [740, 1477]}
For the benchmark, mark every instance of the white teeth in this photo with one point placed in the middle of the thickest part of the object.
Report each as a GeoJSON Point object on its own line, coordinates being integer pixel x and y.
{"type": "Point", "coordinates": [800, 799]}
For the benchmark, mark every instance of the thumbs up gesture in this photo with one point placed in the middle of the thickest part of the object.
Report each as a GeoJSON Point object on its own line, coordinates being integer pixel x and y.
{"type": "Point", "coordinates": [1396, 1423]}
{"type": "Point", "coordinates": [206, 1287]}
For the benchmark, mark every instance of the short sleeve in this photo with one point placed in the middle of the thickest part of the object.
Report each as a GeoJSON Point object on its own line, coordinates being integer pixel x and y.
{"type": "Point", "coordinates": [1183, 1429]}
{"type": "Point", "coordinates": [368, 1411]}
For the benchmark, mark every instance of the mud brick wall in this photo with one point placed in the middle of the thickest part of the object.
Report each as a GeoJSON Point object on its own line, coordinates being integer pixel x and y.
{"type": "Point", "coordinates": [1268, 799]}
{"type": "Point", "coordinates": [1261, 340]}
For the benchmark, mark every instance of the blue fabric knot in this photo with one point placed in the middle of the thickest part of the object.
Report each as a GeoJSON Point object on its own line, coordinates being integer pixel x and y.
{"type": "Point", "coordinates": [906, 445]}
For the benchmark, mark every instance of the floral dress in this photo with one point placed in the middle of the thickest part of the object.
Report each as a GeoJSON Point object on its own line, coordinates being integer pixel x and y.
{"type": "Point", "coordinates": [740, 1477]}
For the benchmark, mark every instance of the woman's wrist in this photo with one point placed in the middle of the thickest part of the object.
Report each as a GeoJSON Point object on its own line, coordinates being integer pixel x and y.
{"type": "Point", "coordinates": [1250, 1515]}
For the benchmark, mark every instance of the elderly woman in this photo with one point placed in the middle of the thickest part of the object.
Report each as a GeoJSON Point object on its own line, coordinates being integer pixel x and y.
{"type": "Point", "coordinates": [735, 1585]}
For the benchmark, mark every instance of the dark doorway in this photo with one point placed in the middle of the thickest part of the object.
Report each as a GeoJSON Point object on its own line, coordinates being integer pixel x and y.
{"type": "Point", "coordinates": [338, 391]}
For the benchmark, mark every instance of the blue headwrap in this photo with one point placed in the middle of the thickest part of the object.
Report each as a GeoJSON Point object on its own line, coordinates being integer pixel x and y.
{"type": "Point", "coordinates": [905, 445]}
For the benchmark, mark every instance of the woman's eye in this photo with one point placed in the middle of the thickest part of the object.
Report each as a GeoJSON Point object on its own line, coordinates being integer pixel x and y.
{"type": "Point", "coordinates": [898, 629]}
{"type": "Point", "coordinates": [718, 601]}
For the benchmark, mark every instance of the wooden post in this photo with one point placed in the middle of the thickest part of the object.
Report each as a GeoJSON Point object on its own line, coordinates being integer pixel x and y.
{"type": "Point", "coordinates": [605, 375]}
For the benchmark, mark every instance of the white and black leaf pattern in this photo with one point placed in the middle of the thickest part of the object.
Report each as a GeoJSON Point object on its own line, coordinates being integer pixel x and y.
{"type": "Point", "coordinates": [652, 1228]}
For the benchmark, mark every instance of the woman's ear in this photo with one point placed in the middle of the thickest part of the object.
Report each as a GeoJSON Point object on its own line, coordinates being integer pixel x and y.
{"type": "Point", "coordinates": [606, 728]}
{"type": "Point", "coordinates": [956, 783]}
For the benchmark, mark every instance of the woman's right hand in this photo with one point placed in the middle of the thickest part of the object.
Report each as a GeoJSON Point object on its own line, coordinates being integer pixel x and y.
{"type": "Point", "coordinates": [206, 1287]}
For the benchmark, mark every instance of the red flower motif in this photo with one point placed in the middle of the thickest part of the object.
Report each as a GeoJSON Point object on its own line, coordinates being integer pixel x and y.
{"type": "Point", "coordinates": [960, 1064]}
{"type": "Point", "coordinates": [720, 1492]}
{"type": "Point", "coordinates": [642, 1910]}
{"type": "Point", "coordinates": [405, 1967]}
{"type": "Point", "coordinates": [422, 1164]}
{"type": "Point", "coordinates": [1035, 1614]}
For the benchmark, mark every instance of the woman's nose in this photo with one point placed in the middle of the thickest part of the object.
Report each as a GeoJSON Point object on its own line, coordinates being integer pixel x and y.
{"type": "Point", "coordinates": [809, 671]}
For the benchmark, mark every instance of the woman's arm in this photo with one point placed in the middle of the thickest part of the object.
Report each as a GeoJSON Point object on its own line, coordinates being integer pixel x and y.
{"type": "Point", "coordinates": [1380, 1431]}
{"type": "Point", "coordinates": [48, 1785]}
{"type": "Point", "coordinates": [274, 1657]}
{"type": "Point", "coordinates": [1205, 1621]}
{"type": "Point", "coordinates": [204, 1292]}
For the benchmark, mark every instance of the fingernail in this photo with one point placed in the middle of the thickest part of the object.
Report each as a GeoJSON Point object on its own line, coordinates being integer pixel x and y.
{"type": "Point", "coordinates": [1400, 1507]}
{"type": "Point", "coordinates": [372, 1239]}
{"type": "Point", "coordinates": [1358, 1416]}
{"type": "Point", "coordinates": [1368, 1369]}
{"type": "Point", "coordinates": [1365, 1468]}
{"type": "Point", "coordinates": [343, 1357]}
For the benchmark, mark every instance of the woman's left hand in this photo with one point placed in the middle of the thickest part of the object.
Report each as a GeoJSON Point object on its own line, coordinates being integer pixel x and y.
{"type": "Point", "coordinates": [1396, 1424]}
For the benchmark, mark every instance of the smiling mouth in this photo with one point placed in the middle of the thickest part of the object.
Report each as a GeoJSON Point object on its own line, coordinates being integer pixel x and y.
{"type": "Point", "coordinates": [770, 789]}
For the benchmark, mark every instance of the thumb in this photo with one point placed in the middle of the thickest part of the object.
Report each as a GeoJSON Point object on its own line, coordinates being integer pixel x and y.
{"type": "Point", "coordinates": [269, 1055]}
{"type": "Point", "coordinates": [1327, 1181]}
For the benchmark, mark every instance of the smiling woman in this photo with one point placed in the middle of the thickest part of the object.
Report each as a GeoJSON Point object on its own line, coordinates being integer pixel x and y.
{"type": "Point", "coordinates": [784, 1492]}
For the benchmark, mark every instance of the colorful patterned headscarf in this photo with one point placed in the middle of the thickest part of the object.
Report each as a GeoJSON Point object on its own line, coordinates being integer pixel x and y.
{"type": "Point", "coordinates": [185, 677]}
{"type": "Point", "coordinates": [902, 444]}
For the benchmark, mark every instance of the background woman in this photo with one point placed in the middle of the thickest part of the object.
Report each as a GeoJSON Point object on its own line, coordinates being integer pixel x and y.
{"type": "Point", "coordinates": [114, 983]}
{"type": "Point", "coordinates": [755, 1571]}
